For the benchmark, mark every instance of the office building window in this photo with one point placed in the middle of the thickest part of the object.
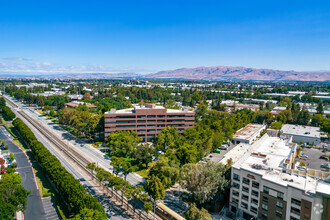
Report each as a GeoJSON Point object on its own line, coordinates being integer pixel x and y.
{"type": "Point", "coordinates": [254, 201]}
{"type": "Point", "coordinates": [279, 214]}
{"type": "Point", "coordinates": [244, 197]}
{"type": "Point", "coordinates": [236, 185]}
{"type": "Point", "coordinates": [235, 193]}
{"type": "Point", "coordinates": [266, 190]}
{"type": "Point", "coordinates": [246, 181]}
{"type": "Point", "coordinates": [264, 199]}
{"type": "Point", "coordinates": [254, 209]}
{"type": "Point", "coordinates": [244, 205]}
{"type": "Point", "coordinates": [279, 204]}
{"type": "Point", "coordinates": [293, 218]}
{"type": "Point", "coordinates": [295, 210]}
{"type": "Point", "coordinates": [263, 216]}
{"type": "Point", "coordinates": [255, 184]}
{"type": "Point", "coordinates": [264, 207]}
{"type": "Point", "coordinates": [235, 201]}
{"type": "Point", "coordinates": [236, 177]}
{"type": "Point", "coordinates": [255, 193]}
{"type": "Point", "coordinates": [245, 189]}
{"type": "Point", "coordinates": [280, 195]}
{"type": "Point", "coordinates": [296, 202]}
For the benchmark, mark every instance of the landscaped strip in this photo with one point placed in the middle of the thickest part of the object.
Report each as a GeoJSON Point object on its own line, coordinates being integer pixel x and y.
{"type": "Point", "coordinates": [70, 188]}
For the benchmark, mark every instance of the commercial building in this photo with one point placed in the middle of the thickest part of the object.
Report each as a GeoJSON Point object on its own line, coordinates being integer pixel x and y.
{"type": "Point", "coordinates": [302, 134]}
{"type": "Point", "coordinates": [75, 104]}
{"type": "Point", "coordinates": [148, 120]}
{"type": "Point", "coordinates": [248, 134]}
{"type": "Point", "coordinates": [265, 186]}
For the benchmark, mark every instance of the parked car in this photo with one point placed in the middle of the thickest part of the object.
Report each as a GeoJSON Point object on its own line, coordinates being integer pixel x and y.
{"type": "Point", "coordinates": [301, 168]}
{"type": "Point", "coordinates": [324, 158]}
{"type": "Point", "coordinates": [303, 155]}
{"type": "Point", "coordinates": [82, 145]}
{"type": "Point", "coordinates": [224, 147]}
{"type": "Point", "coordinates": [325, 166]}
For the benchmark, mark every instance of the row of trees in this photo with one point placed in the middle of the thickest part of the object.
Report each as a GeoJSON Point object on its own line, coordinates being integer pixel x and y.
{"type": "Point", "coordinates": [8, 113]}
{"type": "Point", "coordinates": [69, 187]}
{"type": "Point", "coordinates": [128, 190]}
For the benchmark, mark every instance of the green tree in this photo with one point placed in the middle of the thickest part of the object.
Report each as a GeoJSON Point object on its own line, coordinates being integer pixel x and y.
{"type": "Point", "coordinates": [193, 213]}
{"type": "Point", "coordinates": [89, 214]}
{"type": "Point", "coordinates": [319, 108]}
{"type": "Point", "coordinates": [168, 137]}
{"type": "Point", "coordinates": [155, 189]}
{"type": "Point", "coordinates": [11, 157]}
{"type": "Point", "coordinates": [203, 180]}
{"type": "Point", "coordinates": [123, 143]}
{"type": "Point", "coordinates": [166, 170]}
{"type": "Point", "coordinates": [13, 196]}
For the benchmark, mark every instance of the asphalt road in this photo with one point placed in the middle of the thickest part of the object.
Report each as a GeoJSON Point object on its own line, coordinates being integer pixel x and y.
{"type": "Point", "coordinates": [95, 155]}
{"type": "Point", "coordinates": [112, 210]}
{"type": "Point", "coordinates": [34, 208]}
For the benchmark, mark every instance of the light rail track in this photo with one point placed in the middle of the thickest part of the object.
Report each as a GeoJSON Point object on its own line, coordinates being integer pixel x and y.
{"type": "Point", "coordinates": [78, 159]}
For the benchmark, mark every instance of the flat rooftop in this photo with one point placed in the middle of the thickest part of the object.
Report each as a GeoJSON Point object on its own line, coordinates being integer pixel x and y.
{"type": "Point", "coordinates": [301, 130]}
{"type": "Point", "coordinates": [248, 131]}
{"type": "Point", "coordinates": [266, 157]}
{"type": "Point", "coordinates": [137, 107]}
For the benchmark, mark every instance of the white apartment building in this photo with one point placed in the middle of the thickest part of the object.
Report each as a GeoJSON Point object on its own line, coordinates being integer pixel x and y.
{"type": "Point", "coordinates": [264, 185]}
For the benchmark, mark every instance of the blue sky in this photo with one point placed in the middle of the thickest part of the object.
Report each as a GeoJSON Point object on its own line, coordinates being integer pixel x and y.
{"type": "Point", "coordinates": [149, 36]}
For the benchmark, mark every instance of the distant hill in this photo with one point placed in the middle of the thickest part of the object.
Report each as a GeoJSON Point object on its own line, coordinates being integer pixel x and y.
{"type": "Point", "coordinates": [239, 73]}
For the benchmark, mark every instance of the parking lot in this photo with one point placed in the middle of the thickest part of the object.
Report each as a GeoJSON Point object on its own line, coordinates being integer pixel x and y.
{"type": "Point", "coordinates": [313, 161]}
{"type": "Point", "coordinates": [216, 157]}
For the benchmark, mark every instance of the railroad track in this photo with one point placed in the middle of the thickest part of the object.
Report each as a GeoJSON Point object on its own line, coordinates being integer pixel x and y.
{"type": "Point", "coordinates": [72, 153]}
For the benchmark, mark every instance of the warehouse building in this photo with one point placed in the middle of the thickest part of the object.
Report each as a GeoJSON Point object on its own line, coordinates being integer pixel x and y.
{"type": "Point", "coordinates": [302, 134]}
{"type": "Point", "coordinates": [148, 120]}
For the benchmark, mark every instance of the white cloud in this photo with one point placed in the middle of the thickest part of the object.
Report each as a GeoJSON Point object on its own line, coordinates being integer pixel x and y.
{"type": "Point", "coordinates": [16, 59]}
{"type": "Point", "coordinates": [48, 67]}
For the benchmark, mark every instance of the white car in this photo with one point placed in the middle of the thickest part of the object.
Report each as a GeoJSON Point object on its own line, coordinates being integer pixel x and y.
{"type": "Point", "coordinates": [303, 155]}
{"type": "Point", "coordinates": [224, 147]}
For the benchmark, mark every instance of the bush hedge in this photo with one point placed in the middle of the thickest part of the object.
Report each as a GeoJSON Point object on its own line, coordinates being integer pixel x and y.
{"type": "Point", "coordinates": [71, 190]}
{"type": "Point", "coordinates": [8, 113]}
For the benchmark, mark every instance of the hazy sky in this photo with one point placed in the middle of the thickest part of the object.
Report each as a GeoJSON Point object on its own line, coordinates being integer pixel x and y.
{"type": "Point", "coordinates": [148, 36]}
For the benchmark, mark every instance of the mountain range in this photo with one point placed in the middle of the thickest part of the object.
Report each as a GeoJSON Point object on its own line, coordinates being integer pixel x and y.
{"type": "Point", "coordinates": [239, 73]}
{"type": "Point", "coordinates": [214, 73]}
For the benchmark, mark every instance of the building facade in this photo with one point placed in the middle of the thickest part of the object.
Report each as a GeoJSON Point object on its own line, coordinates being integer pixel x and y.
{"type": "Point", "coordinates": [148, 120]}
{"type": "Point", "coordinates": [264, 185]}
{"type": "Point", "coordinates": [248, 134]}
{"type": "Point", "coordinates": [303, 134]}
